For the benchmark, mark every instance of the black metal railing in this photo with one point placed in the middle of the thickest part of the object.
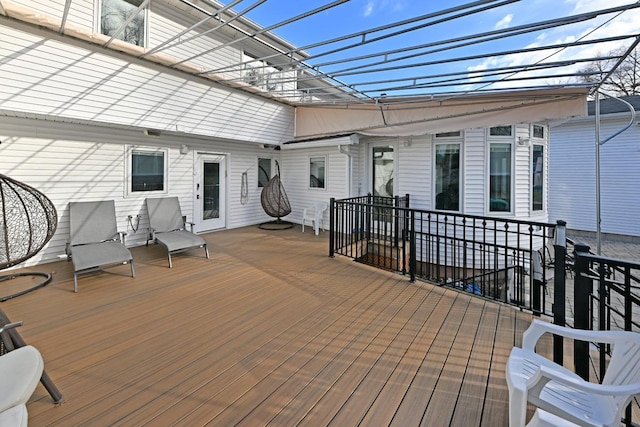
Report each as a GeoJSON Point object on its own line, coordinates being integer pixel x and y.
{"type": "Point", "coordinates": [499, 258]}
{"type": "Point", "coordinates": [606, 297]}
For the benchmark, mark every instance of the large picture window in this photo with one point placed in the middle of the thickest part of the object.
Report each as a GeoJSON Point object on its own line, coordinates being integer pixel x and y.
{"type": "Point", "coordinates": [447, 177]}
{"type": "Point", "coordinates": [537, 178]}
{"type": "Point", "coordinates": [500, 177]}
{"type": "Point", "coordinates": [148, 170]}
{"type": "Point", "coordinates": [317, 172]}
{"type": "Point", "coordinates": [115, 13]}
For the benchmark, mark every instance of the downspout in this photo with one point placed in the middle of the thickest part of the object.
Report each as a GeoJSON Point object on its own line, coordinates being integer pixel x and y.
{"type": "Point", "coordinates": [344, 149]}
{"type": "Point", "coordinates": [598, 144]}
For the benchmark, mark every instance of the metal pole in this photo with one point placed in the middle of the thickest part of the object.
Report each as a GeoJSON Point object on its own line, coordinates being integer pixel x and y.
{"type": "Point", "coordinates": [597, 129]}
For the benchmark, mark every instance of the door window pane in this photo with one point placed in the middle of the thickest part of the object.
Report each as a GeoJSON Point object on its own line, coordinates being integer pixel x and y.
{"type": "Point", "coordinates": [211, 193]}
{"type": "Point", "coordinates": [383, 171]}
{"type": "Point", "coordinates": [447, 180]}
{"type": "Point", "coordinates": [500, 178]}
{"type": "Point", "coordinates": [264, 172]}
{"type": "Point", "coordinates": [147, 170]}
{"type": "Point", "coordinates": [537, 178]}
{"type": "Point", "coordinates": [114, 13]}
{"type": "Point", "coordinates": [317, 172]}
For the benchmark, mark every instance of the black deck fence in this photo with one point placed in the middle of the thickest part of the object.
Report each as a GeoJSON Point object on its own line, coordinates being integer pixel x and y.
{"type": "Point", "coordinates": [606, 297]}
{"type": "Point", "coordinates": [502, 259]}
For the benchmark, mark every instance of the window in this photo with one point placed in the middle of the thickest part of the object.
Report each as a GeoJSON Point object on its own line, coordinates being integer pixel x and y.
{"type": "Point", "coordinates": [501, 131]}
{"type": "Point", "coordinates": [148, 170]}
{"type": "Point", "coordinates": [264, 171]}
{"type": "Point", "coordinates": [500, 177]}
{"type": "Point", "coordinates": [114, 13]}
{"type": "Point", "coordinates": [317, 172]}
{"type": "Point", "coordinates": [537, 178]}
{"type": "Point", "coordinates": [538, 131]}
{"type": "Point", "coordinates": [448, 134]}
{"type": "Point", "coordinates": [447, 180]}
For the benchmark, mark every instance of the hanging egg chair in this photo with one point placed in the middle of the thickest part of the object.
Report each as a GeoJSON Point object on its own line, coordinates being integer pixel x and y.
{"type": "Point", "coordinates": [275, 203]}
{"type": "Point", "coordinates": [28, 220]}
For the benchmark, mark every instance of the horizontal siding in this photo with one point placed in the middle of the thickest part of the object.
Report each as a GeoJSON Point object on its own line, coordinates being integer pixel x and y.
{"type": "Point", "coordinates": [295, 179]}
{"type": "Point", "coordinates": [572, 177]}
{"type": "Point", "coordinates": [87, 84]}
{"type": "Point", "coordinates": [85, 163]}
{"type": "Point", "coordinates": [415, 171]}
{"type": "Point", "coordinates": [474, 174]}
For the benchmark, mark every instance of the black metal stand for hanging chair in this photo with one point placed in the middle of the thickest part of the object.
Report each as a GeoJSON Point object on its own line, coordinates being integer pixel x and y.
{"type": "Point", "coordinates": [275, 203]}
{"type": "Point", "coordinates": [28, 220]}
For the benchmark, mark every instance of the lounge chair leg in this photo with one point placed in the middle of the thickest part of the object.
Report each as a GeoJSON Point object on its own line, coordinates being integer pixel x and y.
{"type": "Point", "coordinates": [133, 273]}
{"type": "Point", "coordinates": [170, 265]}
{"type": "Point", "coordinates": [206, 250]}
{"type": "Point", "coordinates": [75, 282]}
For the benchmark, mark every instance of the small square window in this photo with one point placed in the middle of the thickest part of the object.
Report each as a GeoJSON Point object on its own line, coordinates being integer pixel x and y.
{"type": "Point", "coordinates": [501, 131]}
{"type": "Point", "coordinates": [538, 131]}
{"type": "Point", "coordinates": [114, 13]}
{"type": "Point", "coordinates": [264, 171]}
{"type": "Point", "coordinates": [147, 170]}
{"type": "Point", "coordinates": [317, 172]}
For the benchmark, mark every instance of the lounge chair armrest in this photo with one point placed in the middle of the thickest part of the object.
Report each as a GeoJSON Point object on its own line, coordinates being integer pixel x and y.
{"type": "Point", "coordinates": [539, 328]}
{"type": "Point", "coordinates": [191, 225]}
{"type": "Point", "coordinates": [122, 235]}
{"type": "Point", "coordinates": [11, 325]}
{"type": "Point", "coordinates": [544, 374]}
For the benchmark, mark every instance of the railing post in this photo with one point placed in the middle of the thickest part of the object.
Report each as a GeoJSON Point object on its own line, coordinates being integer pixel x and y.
{"type": "Point", "coordinates": [332, 228]}
{"type": "Point", "coordinates": [582, 319]}
{"type": "Point", "coordinates": [559, 286]}
{"type": "Point", "coordinates": [412, 247]}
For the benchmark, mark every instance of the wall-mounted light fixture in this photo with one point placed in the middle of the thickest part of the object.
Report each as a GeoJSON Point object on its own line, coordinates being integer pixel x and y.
{"type": "Point", "coordinates": [184, 149]}
{"type": "Point", "coordinates": [523, 141]}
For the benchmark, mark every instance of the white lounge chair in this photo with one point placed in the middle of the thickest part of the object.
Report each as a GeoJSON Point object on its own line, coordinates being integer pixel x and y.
{"type": "Point", "coordinates": [20, 372]}
{"type": "Point", "coordinates": [548, 386]}
{"type": "Point", "coordinates": [315, 214]}
{"type": "Point", "coordinates": [167, 227]}
{"type": "Point", "coordinates": [94, 241]}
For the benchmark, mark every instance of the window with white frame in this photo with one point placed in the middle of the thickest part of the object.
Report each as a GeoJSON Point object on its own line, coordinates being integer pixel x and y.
{"type": "Point", "coordinates": [317, 172]}
{"type": "Point", "coordinates": [147, 170]}
{"type": "Point", "coordinates": [114, 14]}
{"type": "Point", "coordinates": [264, 171]}
{"type": "Point", "coordinates": [506, 130]}
{"type": "Point", "coordinates": [538, 131]}
{"type": "Point", "coordinates": [537, 178]}
{"type": "Point", "coordinates": [500, 177]}
{"type": "Point", "coordinates": [447, 177]}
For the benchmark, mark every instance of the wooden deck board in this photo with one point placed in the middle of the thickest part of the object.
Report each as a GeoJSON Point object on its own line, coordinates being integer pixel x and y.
{"type": "Point", "coordinates": [269, 331]}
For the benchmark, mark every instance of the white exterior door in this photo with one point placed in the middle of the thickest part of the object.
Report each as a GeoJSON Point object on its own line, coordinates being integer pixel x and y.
{"type": "Point", "coordinates": [210, 192]}
{"type": "Point", "coordinates": [382, 169]}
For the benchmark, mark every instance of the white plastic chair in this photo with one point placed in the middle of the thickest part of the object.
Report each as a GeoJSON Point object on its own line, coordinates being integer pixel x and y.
{"type": "Point", "coordinates": [20, 372]}
{"type": "Point", "coordinates": [315, 214]}
{"type": "Point", "coordinates": [537, 380]}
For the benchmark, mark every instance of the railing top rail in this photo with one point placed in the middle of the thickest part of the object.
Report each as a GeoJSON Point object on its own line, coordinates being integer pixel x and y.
{"type": "Point", "coordinates": [357, 201]}
{"type": "Point", "coordinates": [607, 260]}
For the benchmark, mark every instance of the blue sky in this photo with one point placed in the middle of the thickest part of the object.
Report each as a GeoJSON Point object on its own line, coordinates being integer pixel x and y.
{"type": "Point", "coordinates": [359, 15]}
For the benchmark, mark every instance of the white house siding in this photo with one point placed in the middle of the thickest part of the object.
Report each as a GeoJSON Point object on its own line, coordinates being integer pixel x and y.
{"type": "Point", "coordinates": [294, 168]}
{"type": "Point", "coordinates": [474, 171]}
{"type": "Point", "coordinates": [87, 163]}
{"type": "Point", "coordinates": [81, 81]}
{"type": "Point", "coordinates": [415, 171]}
{"type": "Point", "coordinates": [572, 181]}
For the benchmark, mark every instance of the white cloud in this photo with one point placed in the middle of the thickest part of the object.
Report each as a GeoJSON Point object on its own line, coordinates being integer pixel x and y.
{"type": "Point", "coordinates": [368, 8]}
{"type": "Point", "coordinates": [504, 22]}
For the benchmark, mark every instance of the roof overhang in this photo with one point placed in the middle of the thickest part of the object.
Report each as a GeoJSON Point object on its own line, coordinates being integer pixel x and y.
{"type": "Point", "coordinates": [441, 114]}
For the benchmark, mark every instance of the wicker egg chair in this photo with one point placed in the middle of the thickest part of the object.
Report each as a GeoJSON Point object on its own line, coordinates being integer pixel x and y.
{"type": "Point", "coordinates": [28, 220]}
{"type": "Point", "coordinates": [275, 203]}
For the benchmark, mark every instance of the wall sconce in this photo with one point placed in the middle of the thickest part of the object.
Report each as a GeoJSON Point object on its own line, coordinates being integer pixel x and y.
{"type": "Point", "coordinates": [184, 149]}
{"type": "Point", "coordinates": [523, 141]}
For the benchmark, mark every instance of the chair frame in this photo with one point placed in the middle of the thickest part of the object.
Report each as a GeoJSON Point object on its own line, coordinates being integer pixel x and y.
{"type": "Point", "coordinates": [532, 378]}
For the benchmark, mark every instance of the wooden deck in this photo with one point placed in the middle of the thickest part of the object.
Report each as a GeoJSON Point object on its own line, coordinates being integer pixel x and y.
{"type": "Point", "coordinates": [269, 331]}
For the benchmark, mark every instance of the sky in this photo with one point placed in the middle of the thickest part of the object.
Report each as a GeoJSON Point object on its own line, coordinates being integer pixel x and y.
{"type": "Point", "coordinates": [354, 16]}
